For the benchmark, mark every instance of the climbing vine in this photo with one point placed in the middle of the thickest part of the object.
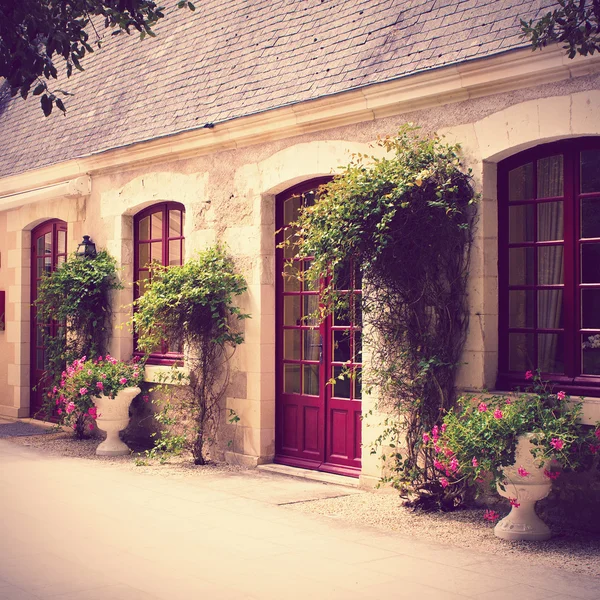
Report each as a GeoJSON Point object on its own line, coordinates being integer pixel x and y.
{"type": "Point", "coordinates": [192, 306]}
{"type": "Point", "coordinates": [405, 221]}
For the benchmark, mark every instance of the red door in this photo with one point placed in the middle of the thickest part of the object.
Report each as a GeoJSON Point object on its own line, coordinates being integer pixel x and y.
{"type": "Point", "coordinates": [48, 250]}
{"type": "Point", "coordinates": [318, 423]}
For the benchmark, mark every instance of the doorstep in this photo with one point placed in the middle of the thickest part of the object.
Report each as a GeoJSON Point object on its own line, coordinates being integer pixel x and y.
{"type": "Point", "coordinates": [351, 482]}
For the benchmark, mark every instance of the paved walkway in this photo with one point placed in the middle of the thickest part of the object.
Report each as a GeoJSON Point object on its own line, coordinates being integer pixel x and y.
{"type": "Point", "coordinates": [80, 530]}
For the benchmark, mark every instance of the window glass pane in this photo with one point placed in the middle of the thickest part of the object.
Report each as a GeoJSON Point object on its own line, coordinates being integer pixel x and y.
{"type": "Point", "coordinates": [341, 387]}
{"type": "Point", "coordinates": [62, 242]}
{"type": "Point", "coordinates": [291, 344]}
{"type": "Point", "coordinates": [311, 379]}
{"type": "Point", "coordinates": [590, 263]}
{"type": "Point", "coordinates": [551, 352]}
{"type": "Point", "coordinates": [520, 266]}
{"type": "Point", "coordinates": [291, 379]}
{"type": "Point", "coordinates": [590, 309]}
{"type": "Point", "coordinates": [40, 246]}
{"type": "Point", "coordinates": [520, 304]}
{"type": "Point", "coordinates": [590, 360]}
{"type": "Point", "coordinates": [520, 226]}
{"type": "Point", "coordinates": [40, 359]}
{"type": "Point", "coordinates": [60, 260]}
{"type": "Point", "coordinates": [307, 284]}
{"type": "Point", "coordinates": [312, 344]}
{"type": "Point", "coordinates": [550, 309]}
{"type": "Point", "coordinates": [48, 264]}
{"type": "Point", "coordinates": [520, 352]}
{"type": "Point", "coordinates": [39, 335]}
{"type": "Point", "coordinates": [550, 177]}
{"type": "Point", "coordinates": [174, 223]}
{"type": "Point", "coordinates": [309, 198]}
{"type": "Point", "coordinates": [144, 229]}
{"type": "Point", "coordinates": [289, 249]}
{"type": "Point", "coordinates": [520, 183]}
{"type": "Point", "coordinates": [550, 265]}
{"type": "Point", "coordinates": [311, 306]}
{"type": "Point", "coordinates": [590, 217]}
{"type": "Point", "coordinates": [550, 221]}
{"type": "Point", "coordinates": [143, 255]}
{"type": "Point", "coordinates": [290, 283]}
{"type": "Point", "coordinates": [291, 310]}
{"type": "Point", "coordinates": [157, 226]}
{"type": "Point", "coordinates": [590, 171]}
{"type": "Point", "coordinates": [357, 358]}
{"type": "Point", "coordinates": [40, 267]}
{"type": "Point", "coordinates": [48, 243]}
{"type": "Point", "coordinates": [156, 252]}
{"type": "Point", "coordinates": [290, 209]}
{"type": "Point", "coordinates": [144, 278]}
{"type": "Point", "coordinates": [175, 252]}
{"type": "Point", "coordinates": [341, 345]}
{"type": "Point", "coordinates": [357, 384]}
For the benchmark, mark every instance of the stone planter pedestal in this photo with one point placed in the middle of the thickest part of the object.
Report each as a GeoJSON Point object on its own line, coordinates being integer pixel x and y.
{"type": "Point", "coordinates": [522, 523]}
{"type": "Point", "coordinates": [113, 416]}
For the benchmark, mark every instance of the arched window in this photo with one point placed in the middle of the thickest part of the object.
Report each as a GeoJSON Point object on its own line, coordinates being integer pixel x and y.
{"type": "Point", "coordinates": [549, 265]}
{"type": "Point", "coordinates": [158, 238]}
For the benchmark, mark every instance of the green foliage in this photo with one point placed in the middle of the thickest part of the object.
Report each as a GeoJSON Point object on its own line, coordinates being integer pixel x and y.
{"type": "Point", "coordinates": [39, 36]}
{"type": "Point", "coordinates": [575, 24]}
{"type": "Point", "coordinates": [193, 304]}
{"type": "Point", "coordinates": [478, 438]}
{"type": "Point", "coordinates": [405, 222]}
{"type": "Point", "coordinates": [77, 297]}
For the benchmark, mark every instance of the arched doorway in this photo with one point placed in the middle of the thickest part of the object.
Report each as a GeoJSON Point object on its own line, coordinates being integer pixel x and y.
{"type": "Point", "coordinates": [48, 250]}
{"type": "Point", "coordinates": [318, 425]}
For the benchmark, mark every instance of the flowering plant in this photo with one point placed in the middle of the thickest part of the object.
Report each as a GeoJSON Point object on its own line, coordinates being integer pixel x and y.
{"type": "Point", "coordinates": [478, 439]}
{"type": "Point", "coordinates": [86, 379]}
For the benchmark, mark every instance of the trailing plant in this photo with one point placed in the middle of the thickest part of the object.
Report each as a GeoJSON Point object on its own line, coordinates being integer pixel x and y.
{"type": "Point", "coordinates": [85, 379]}
{"type": "Point", "coordinates": [74, 302]}
{"type": "Point", "coordinates": [405, 221]}
{"type": "Point", "coordinates": [192, 305]}
{"type": "Point", "coordinates": [477, 439]}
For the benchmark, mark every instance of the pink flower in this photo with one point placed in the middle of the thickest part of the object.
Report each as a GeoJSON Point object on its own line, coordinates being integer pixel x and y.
{"type": "Point", "coordinates": [444, 426]}
{"type": "Point", "coordinates": [529, 375]}
{"type": "Point", "coordinates": [89, 371]}
{"type": "Point", "coordinates": [99, 359]}
{"type": "Point", "coordinates": [594, 448]}
{"type": "Point", "coordinates": [454, 465]}
{"type": "Point", "coordinates": [426, 437]}
{"type": "Point", "coordinates": [557, 443]}
{"type": "Point", "coordinates": [491, 515]}
{"type": "Point", "coordinates": [475, 462]}
{"type": "Point", "coordinates": [561, 395]}
{"type": "Point", "coordinates": [437, 448]}
{"type": "Point", "coordinates": [83, 391]}
{"type": "Point", "coordinates": [444, 482]}
{"type": "Point", "coordinates": [123, 380]}
{"type": "Point", "coordinates": [145, 398]}
{"type": "Point", "coordinates": [70, 408]}
{"type": "Point", "coordinates": [100, 385]}
{"type": "Point", "coordinates": [522, 472]}
{"type": "Point", "coordinates": [498, 414]}
{"type": "Point", "coordinates": [91, 426]}
{"type": "Point", "coordinates": [438, 464]}
{"type": "Point", "coordinates": [54, 390]}
{"type": "Point", "coordinates": [597, 433]}
{"type": "Point", "coordinates": [482, 407]}
{"type": "Point", "coordinates": [513, 502]}
{"type": "Point", "coordinates": [551, 474]}
{"type": "Point", "coordinates": [508, 401]}
{"type": "Point", "coordinates": [103, 375]}
{"type": "Point", "coordinates": [93, 412]}
{"type": "Point", "coordinates": [59, 411]}
{"type": "Point", "coordinates": [448, 452]}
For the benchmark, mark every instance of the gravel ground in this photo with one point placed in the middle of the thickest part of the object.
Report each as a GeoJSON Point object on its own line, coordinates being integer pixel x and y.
{"type": "Point", "coordinates": [575, 551]}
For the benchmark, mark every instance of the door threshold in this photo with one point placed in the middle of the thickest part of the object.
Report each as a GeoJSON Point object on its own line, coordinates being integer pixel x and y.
{"type": "Point", "coordinates": [310, 474]}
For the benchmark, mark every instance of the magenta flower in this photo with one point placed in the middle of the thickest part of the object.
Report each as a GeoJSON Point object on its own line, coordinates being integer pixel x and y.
{"type": "Point", "coordinates": [561, 395]}
{"type": "Point", "coordinates": [145, 398]}
{"type": "Point", "coordinates": [438, 464]}
{"type": "Point", "coordinates": [444, 426]}
{"type": "Point", "coordinates": [454, 465]}
{"type": "Point", "coordinates": [475, 462]}
{"type": "Point", "coordinates": [426, 437]}
{"type": "Point", "coordinates": [54, 390]}
{"type": "Point", "coordinates": [437, 448]}
{"type": "Point", "coordinates": [551, 474]}
{"type": "Point", "coordinates": [59, 411]}
{"type": "Point", "coordinates": [482, 407]}
{"type": "Point", "coordinates": [557, 443]}
{"type": "Point", "coordinates": [100, 385]}
{"type": "Point", "coordinates": [594, 448]}
{"type": "Point", "coordinates": [91, 426]}
{"type": "Point", "coordinates": [529, 375]}
{"type": "Point", "coordinates": [498, 414]}
{"type": "Point", "coordinates": [83, 391]}
{"type": "Point", "coordinates": [444, 482]}
{"type": "Point", "coordinates": [123, 380]}
{"type": "Point", "coordinates": [597, 433]}
{"type": "Point", "coordinates": [93, 412]}
{"type": "Point", "coordinates": [522, 472]}
{"type": "Point", "coordinates": [513, 502]}
{"type": "Point", "coordinates": [508, 401]}
{"type": "Point", "coordinates": [70, 408]}
{"type": "Point", "coordinates": [448, 452]}
{"type": "Point", "coordinates": [491, 515]}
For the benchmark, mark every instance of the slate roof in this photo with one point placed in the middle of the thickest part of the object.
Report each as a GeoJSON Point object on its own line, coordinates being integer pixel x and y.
{"type": "Point", "coordinates": [239, 57]}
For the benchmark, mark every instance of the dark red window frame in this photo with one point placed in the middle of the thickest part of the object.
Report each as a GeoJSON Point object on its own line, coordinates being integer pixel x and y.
{"type": "Point", "coordinates": [572, 380]}
{"type": "Point", "coordinates": [165, 356]}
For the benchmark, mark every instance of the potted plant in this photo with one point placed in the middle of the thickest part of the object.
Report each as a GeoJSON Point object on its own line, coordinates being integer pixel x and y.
{"type": "Point", "coordinates": [98, 390]}
{"type": "Point", "coordinates": [520, 443]}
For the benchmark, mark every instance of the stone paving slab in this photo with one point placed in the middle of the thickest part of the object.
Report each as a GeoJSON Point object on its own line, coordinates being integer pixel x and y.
{"type": "Point", "coordinates": [83, 530]}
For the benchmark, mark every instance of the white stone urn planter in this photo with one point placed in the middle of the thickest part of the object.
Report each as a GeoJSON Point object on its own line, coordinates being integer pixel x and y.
{"type": "Point", "coordinates": [522, 523]}
{"type": "Point", "coordinates": [113, 416]}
